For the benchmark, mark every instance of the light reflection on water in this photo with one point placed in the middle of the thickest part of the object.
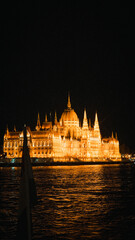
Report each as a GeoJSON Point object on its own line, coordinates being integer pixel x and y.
{"type": "Point", "coordinates": [78, 202]}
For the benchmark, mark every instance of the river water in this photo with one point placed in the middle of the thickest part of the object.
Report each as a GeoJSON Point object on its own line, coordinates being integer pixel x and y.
{"type": "Point", "coordinates": [74, 202]}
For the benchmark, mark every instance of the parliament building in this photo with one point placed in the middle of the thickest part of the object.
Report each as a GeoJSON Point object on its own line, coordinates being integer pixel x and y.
{"type": "Point", "coordinates": [63, 140]}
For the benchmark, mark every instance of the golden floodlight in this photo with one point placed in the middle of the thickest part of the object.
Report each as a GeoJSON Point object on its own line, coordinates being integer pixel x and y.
{"type": "Point", "coordinates": [64, 139]}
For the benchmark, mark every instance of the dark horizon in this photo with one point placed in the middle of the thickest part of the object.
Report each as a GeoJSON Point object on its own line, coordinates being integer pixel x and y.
{"type": "Point", "coordinates": [52, 50]}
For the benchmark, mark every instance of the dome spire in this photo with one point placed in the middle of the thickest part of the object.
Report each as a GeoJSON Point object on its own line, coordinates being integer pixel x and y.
{"type": "Point", "coordinates": [69, 103]}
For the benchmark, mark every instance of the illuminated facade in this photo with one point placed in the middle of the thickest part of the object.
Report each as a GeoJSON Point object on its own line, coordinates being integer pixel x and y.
{"type": "Point", "coordinates": [64, 140]}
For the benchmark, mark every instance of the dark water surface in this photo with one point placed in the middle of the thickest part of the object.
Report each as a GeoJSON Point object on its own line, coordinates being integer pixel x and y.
{"type": "Point", "coordinates": [74, 202]}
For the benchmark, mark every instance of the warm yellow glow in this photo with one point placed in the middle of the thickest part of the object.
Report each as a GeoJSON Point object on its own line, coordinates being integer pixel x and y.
{"type": "Point", "coordinates": [66, 139]}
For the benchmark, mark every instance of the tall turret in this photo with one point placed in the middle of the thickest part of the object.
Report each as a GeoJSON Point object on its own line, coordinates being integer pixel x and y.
{"type": "Point", "coordinates": [96, 126]}
{"type": "Point", "coordinates": [46, 124]}
{"type": "Point", "coordinates": [7, 131]}
{"type": "Point", "coordinates": [85, 128]}
{"type": "Point", "coordinates": [38, 123]}
{"type": "Point", "coordinates": [85, 121]}
{"type": "Point", "coordinates": [55, 119]}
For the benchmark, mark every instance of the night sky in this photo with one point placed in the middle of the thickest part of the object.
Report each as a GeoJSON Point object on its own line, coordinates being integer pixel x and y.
{"type": "Point", "coordinates": [87, 50]}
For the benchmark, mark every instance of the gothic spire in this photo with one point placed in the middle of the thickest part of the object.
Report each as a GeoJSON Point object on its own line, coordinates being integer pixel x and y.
{"type": "Point", "coordinates": [38, 123]}
{"type": "Point", "coordinates": [69, 103]}
{"type": "Point", "coordinates": [85, 122]}
{"type": "Point", "coordinates": [55, 118]}
{"type": "Point", "coordinates": [38, 120]}
{"type": "Point", "coordinates": [14, 128]}
{"type": "Point", "coordinates": [7, 130]}
{"type": "Point", "coordinates": [96, 124]}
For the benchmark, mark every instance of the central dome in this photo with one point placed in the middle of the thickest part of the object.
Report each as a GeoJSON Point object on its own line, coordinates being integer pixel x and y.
{"type": "Point", "coordinates": [69, 116]}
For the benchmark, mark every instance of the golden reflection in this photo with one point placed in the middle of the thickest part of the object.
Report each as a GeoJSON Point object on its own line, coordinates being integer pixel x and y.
{"type": "Point", "coordinates": [72, 191]}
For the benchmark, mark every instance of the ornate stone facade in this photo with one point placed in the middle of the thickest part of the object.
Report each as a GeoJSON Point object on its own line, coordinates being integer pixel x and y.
{"type": "Point", "coordinates": [65, 139]}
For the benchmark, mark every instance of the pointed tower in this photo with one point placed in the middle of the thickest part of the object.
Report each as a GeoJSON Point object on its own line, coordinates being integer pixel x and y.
{"type": "Point", "coordinates": [112, 136]}
{"type": "Point", "coordinates": [55, 118]}
{"type": "Point", "coordinates": [96, 126]}
{"type": "Point", "coordinates": [69, 102]}
{"type": "Point", "coordinates": [7, 131]}
{"type": "Point", "coordinates": [85, 121]}
{"type": "Point", "coordinates": [85, 128]}
{"type": "Point", "coordinates": [38, 123]}
{"type": "Point", "coordinates": [14, 128]}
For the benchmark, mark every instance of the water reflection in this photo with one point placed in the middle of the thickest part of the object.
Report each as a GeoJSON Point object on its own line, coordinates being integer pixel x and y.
{"type": "Point", "coordinates": [85, 202]}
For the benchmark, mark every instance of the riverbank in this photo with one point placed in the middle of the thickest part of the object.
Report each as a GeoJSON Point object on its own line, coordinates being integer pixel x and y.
{"type": "Point", "coordinates": [40, 164]}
